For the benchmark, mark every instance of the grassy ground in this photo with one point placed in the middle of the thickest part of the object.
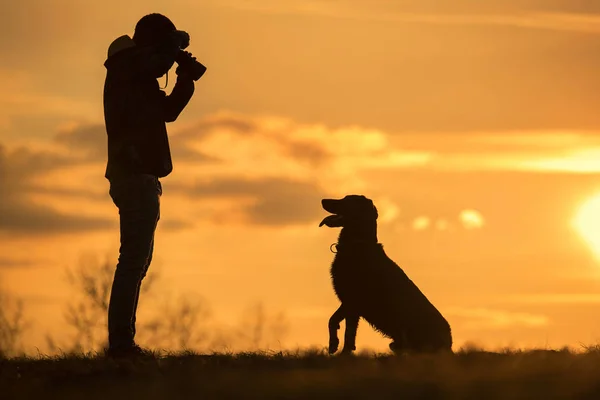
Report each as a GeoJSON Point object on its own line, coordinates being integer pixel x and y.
{"type": "Point", "coordinates": [470, 374]}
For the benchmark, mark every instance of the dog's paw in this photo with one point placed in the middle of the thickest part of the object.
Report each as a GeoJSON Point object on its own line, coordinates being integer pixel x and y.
{"type": "Point", "coordinates": [395, 347]}
{"type": "Point", "coordinates": [347, 351]}
{"type": "Point", "coordinates": [334, 344]}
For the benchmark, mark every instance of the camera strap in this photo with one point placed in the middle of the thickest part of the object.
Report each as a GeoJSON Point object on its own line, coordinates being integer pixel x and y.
{"type": "Point", "coordinates": [166, 82]}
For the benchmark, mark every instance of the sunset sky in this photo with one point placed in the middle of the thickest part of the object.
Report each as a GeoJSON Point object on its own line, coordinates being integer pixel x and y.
{"type": "Point", "coordinates": [473, 126]}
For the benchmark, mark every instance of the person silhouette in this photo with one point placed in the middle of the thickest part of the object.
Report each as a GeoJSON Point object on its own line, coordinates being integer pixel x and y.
{"type": "Point", "coordinates": [136, 111]}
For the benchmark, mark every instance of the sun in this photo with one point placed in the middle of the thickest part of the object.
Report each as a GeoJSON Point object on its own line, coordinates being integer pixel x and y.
{"type": "Point", "coordinates": [587, 223]}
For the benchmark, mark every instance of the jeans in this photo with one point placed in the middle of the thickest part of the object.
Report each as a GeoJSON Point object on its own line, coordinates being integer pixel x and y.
{"type": "Point", "coordinates": [138, 199]}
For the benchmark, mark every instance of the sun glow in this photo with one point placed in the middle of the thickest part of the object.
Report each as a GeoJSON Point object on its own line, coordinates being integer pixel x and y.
{"type": "Point", "coordinates": [587, 223]}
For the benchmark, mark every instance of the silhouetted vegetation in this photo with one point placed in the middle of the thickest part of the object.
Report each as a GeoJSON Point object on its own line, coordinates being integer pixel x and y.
{"type": "Point", "coordinates": [468, 374]}
{"type": "Point", "coordinates": [12, 325]}
{"type": "Point", "coordinates": [177, 323]}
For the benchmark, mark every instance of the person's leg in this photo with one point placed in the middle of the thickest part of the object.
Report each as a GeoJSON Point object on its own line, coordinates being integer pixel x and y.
{"type": "Point", "coordinates": [146, 267]}
{"type": "Point", "coordinates": [138, 200]}
{"type": "Point", "coordinates": [137, 295]}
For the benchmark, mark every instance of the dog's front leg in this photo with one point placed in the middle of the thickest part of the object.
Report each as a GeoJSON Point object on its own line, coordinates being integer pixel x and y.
{"type": "Point", "coordinates": [350, 334]}
{"type": "Point", "coordinates": [334, 325]}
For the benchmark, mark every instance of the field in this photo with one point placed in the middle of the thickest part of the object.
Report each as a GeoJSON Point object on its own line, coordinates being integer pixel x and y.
{"type": "Point", "coordinates": [468, 374]}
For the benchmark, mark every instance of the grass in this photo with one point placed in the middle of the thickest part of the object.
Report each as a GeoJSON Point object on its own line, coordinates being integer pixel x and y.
{"type": "Point", "coordinates": [467, 374]}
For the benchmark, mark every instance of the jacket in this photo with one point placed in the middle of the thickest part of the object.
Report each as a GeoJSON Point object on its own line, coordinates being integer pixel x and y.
{"type": "Point", "coordinates": [136, 110]}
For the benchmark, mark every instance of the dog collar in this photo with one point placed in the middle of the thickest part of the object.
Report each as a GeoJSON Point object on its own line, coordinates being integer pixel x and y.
{"type": "Point", "coordinates": [358, 242]}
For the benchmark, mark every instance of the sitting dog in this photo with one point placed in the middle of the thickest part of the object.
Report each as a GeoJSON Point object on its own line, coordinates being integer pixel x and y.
{"type": "Point", "coordinates": [370, 285]}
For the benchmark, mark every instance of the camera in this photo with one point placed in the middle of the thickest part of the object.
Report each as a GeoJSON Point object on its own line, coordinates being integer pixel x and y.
{"type": "Point", "coordinates": [184, 59]}
{"type": "Point", "coordinates": [188, 63]}
{"type": "Point", "coordinates": [181, 39]}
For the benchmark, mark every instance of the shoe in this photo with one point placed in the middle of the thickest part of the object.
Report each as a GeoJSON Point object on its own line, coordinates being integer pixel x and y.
{"type": "Point", "coordinates": [130, 352]}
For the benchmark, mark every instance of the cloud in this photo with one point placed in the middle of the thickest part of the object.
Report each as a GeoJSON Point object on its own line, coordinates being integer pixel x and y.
{"type": "Point", "coordinates": [280, 147]}
{"type": "Point", "coordinates": [181, 153]}
{"type": "Point", "coordinates": [266, 201]}
{"type": "Point", "coordinates": [89, 139]}
{"type": "Point", "coordinates": [421, 223]}
{"type": "Point", "coordinates": [301, 149]}
{"type": "Point", "coordinates": [467, 219]}
{"type": "Point", "coordinates": [227, 142]}
{"type": "Point", "coordinates": [223, 120]}
{"type": "Point", "coordinates": [471, 219]}
{"type": "Point", "coordinates": [19, 213]}
{"type": "Point", "coordinates": [6, 262]}
{"type": "Point", "coordinates": [20, 164]}
{"type": "Point", "coordinates": [509, 142]}
{"type": "Point", "coordinates": [538, 151]}
{"type": "Point", "coordinates": [278, 131]}
{"type": "Point", "coordinates": [20, 173]}
{"type": "Point", "coordinates": [269, 170]}
{"type": "Point", "coordinates": [20, 217]}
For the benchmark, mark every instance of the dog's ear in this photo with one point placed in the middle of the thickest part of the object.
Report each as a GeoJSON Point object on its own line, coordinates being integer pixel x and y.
{"type": "Point", "coordinates": [375, 213]}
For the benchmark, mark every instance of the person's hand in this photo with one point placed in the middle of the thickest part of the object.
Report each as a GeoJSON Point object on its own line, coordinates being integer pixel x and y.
{"type": "Point", "coordinates": [183, 74]}
{"type": "Point", "coordinates": [189, 66]}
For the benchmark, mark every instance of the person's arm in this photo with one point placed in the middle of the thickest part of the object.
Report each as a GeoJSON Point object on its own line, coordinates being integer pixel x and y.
{"type": "Point", "coordinates": [180, 96]}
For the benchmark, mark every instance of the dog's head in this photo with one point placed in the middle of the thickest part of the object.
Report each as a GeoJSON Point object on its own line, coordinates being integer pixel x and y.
{"type": "Point", "coordinates": [351, 210]}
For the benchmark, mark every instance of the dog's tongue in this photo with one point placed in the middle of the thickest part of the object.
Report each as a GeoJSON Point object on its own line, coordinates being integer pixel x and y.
{"type": "Point", "coordinates": [332, 221]}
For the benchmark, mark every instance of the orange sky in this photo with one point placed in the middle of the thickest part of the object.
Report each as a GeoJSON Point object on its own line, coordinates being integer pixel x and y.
{"type": "Point", "coordinates": [430, 110]}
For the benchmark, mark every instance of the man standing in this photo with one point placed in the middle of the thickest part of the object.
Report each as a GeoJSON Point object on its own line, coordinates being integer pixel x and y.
{"type": "Point", "coordinates": [136, 111]}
